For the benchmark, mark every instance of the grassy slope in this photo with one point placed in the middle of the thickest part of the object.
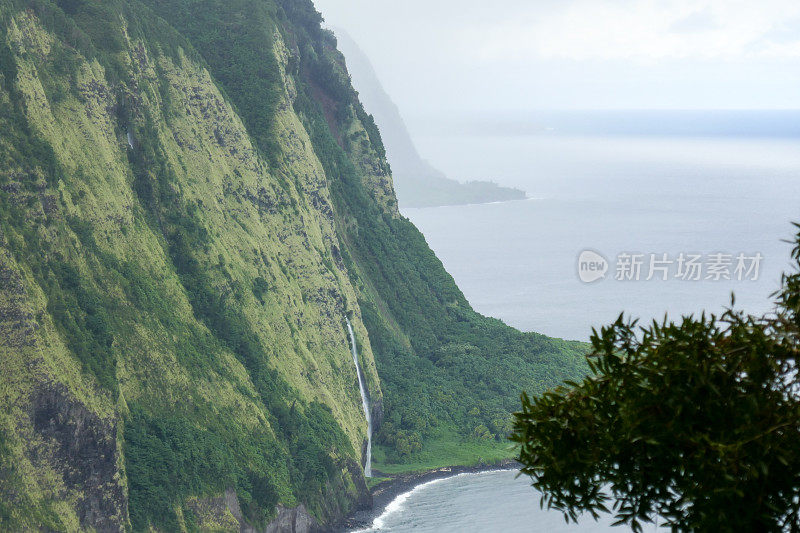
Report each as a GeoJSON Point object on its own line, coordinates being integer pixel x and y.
{"type": "Point", "coordinates": [446, 447]}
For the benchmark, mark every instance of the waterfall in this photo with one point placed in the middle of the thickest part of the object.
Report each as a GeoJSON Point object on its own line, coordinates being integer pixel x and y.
{"type": "Point", "coordinates": [364, 399]}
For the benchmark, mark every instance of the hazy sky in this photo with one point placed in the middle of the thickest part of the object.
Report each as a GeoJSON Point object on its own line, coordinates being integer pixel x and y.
{"type": "Point", "coordinates": [457, 55]}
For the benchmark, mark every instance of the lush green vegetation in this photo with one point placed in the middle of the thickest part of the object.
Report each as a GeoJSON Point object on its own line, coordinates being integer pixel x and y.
{"type": "Point", "coordinates": [76, 305]}
{"type": "Point", "coordinates": [308, 437]}
{"type": "Point", "coordinates": [461, 370]}
{"type": "Point", "coordinates": [448, 367]}
{"type": "Point", "coordinates": [235, 38]}
{"type": "Point", "coordinates": [444, 447]}
{"type": "Point", "coordinates": [171, 454]}
{"type": "Point", "coordinates": [695, 422]}
{"type": "Point", "coordinates": [163, 287]}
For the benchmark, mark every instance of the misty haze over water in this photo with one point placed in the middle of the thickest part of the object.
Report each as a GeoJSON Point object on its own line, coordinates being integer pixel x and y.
{"type": "Point", "coordinates": [614, 183]}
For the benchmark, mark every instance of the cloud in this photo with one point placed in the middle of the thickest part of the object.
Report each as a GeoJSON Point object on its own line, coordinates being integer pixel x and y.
{"type": "Point", "coordinates": [698, 21]}
{"type": "Point", "coordinates": [435, 55]}
{"type": "Point", "coordinates": [646, 30]}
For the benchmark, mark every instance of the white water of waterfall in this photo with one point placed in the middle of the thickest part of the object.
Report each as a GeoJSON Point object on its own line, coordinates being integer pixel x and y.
{"type": "Point", "coordinates": [364, 400]}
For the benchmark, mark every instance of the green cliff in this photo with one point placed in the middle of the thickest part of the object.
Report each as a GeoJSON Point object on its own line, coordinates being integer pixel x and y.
{"type": "Point", "coordinates": [417, 182]}
{"type": "Point", "coordinates": [192, 200]}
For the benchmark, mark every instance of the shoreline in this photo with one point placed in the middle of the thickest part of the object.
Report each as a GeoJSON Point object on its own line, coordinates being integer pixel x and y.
{"type": "Point", "coordinates": [387, 491]}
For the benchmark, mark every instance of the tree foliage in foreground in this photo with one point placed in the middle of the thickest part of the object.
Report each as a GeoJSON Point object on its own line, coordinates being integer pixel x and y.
{"type": "Point", "coordinates": [696, 422]}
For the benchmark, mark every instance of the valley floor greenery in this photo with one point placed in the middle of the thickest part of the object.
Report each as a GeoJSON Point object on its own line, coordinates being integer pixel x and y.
{"type": "Point", "coordinates": [445, 447]}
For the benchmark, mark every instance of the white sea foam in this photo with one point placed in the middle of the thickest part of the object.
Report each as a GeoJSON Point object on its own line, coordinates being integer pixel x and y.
{"type": "Point", "coordinates": [398, 503]}
{"type": "Point", "coordinates": [492, 500]}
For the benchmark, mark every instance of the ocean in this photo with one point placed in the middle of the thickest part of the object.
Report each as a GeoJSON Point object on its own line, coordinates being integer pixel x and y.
{"type": "Point", "coordinates": [619, 195]}
{"type": "Point", "coordinates": [643, 196]}
{"type": "Point", "coordinates": [485, 502]}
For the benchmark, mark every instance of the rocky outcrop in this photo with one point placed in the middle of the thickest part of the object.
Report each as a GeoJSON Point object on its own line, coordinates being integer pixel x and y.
{"type": "Point", "coordinates": [223, 513]}
{"type": "Point", "coordinates": [54, 440]}
{"type": "Point", "coordinates": [295, 520]}
{"type": "Point", "coordinates": [83, 448]}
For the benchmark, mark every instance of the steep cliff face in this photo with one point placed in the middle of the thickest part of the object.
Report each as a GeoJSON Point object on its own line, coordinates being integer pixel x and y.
{"type": "Point", "coordinates": [192, 200]}
{"type": "Point", "coordinates": [159, 267]}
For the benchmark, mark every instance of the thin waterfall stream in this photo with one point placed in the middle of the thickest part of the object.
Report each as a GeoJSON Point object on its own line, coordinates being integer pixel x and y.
{"type": "Point", "coordinates": [364, 399]}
